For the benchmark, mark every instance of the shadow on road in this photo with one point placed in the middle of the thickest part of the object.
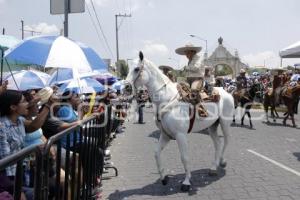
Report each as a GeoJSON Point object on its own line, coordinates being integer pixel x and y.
{"type": "Point", "coordinates": [155, 134]}
{"type": "Point", "coordinates": [279, 124]}
{"type": "Point", "coordinates": [200, 178]}
{"type": "Point", "coordinates": [242, 126]}
{"type": "Point", "coordinates": [297, 155]}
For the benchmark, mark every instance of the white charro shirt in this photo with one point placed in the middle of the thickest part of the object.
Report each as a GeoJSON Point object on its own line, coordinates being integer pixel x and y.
{"type": "Point", "coordinates": [194, 68]}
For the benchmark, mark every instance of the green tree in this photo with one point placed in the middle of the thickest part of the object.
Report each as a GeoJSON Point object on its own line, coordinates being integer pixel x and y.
{"type": "Point", "coordinates": [122, 69]}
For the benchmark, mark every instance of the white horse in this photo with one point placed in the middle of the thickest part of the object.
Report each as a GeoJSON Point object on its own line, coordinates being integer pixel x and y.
{"type": "Point", "coordinates": [173, 117]}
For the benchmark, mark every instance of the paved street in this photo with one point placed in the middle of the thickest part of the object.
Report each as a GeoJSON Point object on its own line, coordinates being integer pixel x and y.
{"type": "Point", "coordinates": [261, 164]}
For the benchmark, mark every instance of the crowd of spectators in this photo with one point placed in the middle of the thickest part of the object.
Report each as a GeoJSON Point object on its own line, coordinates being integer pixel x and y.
{"type": "Point", "coordinates": [25, 121]}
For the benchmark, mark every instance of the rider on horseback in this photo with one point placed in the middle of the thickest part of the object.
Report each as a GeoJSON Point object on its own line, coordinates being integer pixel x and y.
{"type": "Point", "coordinates": [194, 72]}
{"type": "Point", "coordinates": [241, 83]}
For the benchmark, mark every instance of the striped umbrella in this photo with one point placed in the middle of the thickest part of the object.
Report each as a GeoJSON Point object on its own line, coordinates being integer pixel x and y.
{"type": "Point", "coordinates": [26, 80]}
{"type": "Point", "coordinates": [82, 86]}
{"type": "Point", "coordinates": [56, 52]}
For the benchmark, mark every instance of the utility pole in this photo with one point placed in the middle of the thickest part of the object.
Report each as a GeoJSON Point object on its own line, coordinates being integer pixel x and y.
{"type": "Point", "coordinates": [66, 22]}
{"type": "Point", "coordinates": [117, 35]}
{"type": "Point", "coordinates": [22, 28]}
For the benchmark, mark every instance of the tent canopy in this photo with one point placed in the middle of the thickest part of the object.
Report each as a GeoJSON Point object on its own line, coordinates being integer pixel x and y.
{"type": "Point", "coordinates": [292, 51]}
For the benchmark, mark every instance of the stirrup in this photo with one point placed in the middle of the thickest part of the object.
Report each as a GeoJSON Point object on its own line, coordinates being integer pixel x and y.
{"type": "Point", "coordinates": [202, 112]}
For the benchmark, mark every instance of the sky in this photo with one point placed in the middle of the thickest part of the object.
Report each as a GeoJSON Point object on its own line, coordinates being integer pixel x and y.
{"type": "Point", "coordinates": [257, 29]}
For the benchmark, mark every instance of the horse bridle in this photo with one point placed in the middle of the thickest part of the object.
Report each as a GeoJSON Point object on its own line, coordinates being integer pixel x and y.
{"type": "Point", "coordinates": [139, 70]}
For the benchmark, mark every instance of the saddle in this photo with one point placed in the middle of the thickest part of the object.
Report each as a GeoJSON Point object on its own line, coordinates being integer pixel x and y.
{"type": "Point", "coordinates": [196, 94]}
{"type": "Point", "coordinates": [288, 91]}
{"type": "Point", "coordinates": [240, 93]}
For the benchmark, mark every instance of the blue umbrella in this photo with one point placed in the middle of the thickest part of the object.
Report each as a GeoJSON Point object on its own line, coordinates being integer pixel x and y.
{"type": "Point", "coordinates": [106, 78]}
{"type": "Point", "coordinates": [64, 75]}
{"type": "Point", "coordinates": [56, 52]}
{"type": "Point", "coordinates": [82, 86]}
{"type": "Point", "coordinates": [27, 80]}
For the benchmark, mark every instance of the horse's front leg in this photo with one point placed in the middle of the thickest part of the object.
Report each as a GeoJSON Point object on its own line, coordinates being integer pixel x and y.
{"type": "Point", "coordinates": [266, 108]}
{"type": "Point", "coordinates": [243, 117]}
{"type": "Point", "coordinates": [293, 119]}
{"type": "Point", "coordinates": [163, 141]}
{"type": "Point", "coordinates": [183, 149]}
{"type": "Point", "coordinates": [233, 119]}
{"type": "Point", "coordinates": [274, 113]}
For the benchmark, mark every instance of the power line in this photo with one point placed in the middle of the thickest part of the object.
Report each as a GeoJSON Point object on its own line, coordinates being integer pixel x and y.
{"type": "Point", "coordinates": [95, 27]}
{"type": "Point", "coordinates": [99, 24]}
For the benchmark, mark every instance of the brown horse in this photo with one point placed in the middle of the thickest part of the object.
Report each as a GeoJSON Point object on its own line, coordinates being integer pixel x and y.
{"type": "Point", "coordinates": [270, 99]}
{"type": "Point", "coordinates": [245, 98]}
{"type": "Point", "coordinates": [290, 97]}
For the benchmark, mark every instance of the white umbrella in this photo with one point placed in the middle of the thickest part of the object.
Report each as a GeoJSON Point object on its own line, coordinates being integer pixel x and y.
{"type": "Point", "coordinates": [292, 51]}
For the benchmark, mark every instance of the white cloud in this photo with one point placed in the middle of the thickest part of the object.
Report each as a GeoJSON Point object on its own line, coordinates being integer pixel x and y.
{"type": "Point", "coordinates": [150, 4]}
{"type": "Point", "coordinates": [266, 58]}
{"type": "Point", "coordinates": [43, 28]}
{"type": "Point", "coordinates": [155, 49]}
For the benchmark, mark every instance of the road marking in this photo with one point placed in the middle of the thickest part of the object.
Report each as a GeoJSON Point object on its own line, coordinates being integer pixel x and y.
{"type": "Point", "coordinates": [275, 162]}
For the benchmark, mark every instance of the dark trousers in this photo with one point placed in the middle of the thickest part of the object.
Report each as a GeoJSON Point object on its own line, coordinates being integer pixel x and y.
{"type": "Point", "coordinates": [140, 111]}
{"type": "Point", "coordinates": [296, 106]}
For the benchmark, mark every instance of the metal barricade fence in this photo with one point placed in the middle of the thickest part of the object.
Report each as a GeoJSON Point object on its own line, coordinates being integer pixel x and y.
{"type": "Point", "coordinates": [18, 160]}
{"type": "Point", "coordinates": [76, 168]}
{"type": "Point", "coordinates": [78, 176]}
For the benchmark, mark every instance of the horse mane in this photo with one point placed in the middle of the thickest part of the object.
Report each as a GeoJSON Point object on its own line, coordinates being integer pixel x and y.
{"type": "Point", "coordinates": [155, 71]}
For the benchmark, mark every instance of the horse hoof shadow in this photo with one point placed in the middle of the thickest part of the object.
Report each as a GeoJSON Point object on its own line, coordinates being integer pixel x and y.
{"type": "Point", "coordinates": [185, 188]}
{"type": "Point", "coordinates": [165, 181]}
{"type": "Point", "coordinates": [223, 165]}
{"type": "Point", "coordinates": [213, 172]}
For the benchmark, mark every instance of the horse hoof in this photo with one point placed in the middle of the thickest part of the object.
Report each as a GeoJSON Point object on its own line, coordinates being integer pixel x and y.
{"type": "Point", "coordinates": [185, 188]}
{"type": "Point", "coordinates": [223, 164]}
{"type": "Point", "coordinates": [284, 123]}
{"type": "Point", "coordinates": [213, 172]}
{"type": "Point", "coordinates": [165, 181]}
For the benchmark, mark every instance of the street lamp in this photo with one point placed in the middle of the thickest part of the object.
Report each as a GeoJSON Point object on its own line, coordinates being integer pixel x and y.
{"type": "Point", "coordinates": [195, 36]}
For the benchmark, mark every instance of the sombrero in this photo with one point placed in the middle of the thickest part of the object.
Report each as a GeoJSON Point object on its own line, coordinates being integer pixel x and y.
{"type": "Point", "coordinates": [162, 67]}
{"type": "Point", "coordinates": [187, 47]}
{"type": "Point", "coordinates": [44, 95]}
{"type": "Point", "coordinates": [242, 71]}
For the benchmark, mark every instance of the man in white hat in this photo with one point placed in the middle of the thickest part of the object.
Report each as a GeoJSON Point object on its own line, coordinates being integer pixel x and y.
{"type": "Point", "coordinates": [194, 75]}
{"type": "Point", "coordinates": [194, 70]}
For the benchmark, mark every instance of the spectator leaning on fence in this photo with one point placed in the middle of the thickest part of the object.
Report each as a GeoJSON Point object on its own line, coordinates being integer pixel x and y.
{"type": "Point", "coordinates": [12, 132]}
{"type": "Point", "coordinates": [67, 113]}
